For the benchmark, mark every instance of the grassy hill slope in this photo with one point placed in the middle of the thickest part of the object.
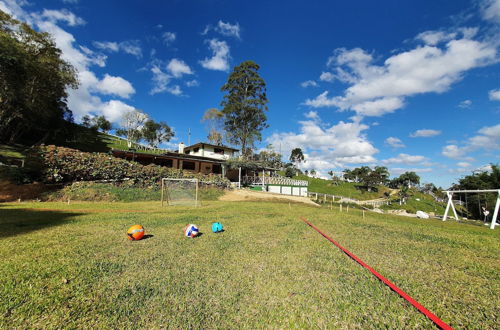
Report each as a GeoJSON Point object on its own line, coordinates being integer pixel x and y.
{"type": "Point", "coordinates": [346, 189]}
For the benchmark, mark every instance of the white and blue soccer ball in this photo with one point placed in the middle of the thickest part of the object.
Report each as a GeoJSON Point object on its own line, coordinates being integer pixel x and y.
{"type": "Point", "coordinates": [191, 231]}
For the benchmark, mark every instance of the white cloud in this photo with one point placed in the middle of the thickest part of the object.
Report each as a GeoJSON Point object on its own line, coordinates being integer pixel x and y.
{"type": "Point", "coordinates": [168, 37]}
{"type": "Point", "coordinates": [432, 38]}
{"type": "Point", "coordinates": [425, 133]}
{"type": "Point", "coordinates": [309, 83]}
{"type": "Point", "coordinates": [228, 30]}
{"type": "Point", "coordinates": [394, 142]}
{"type": "Point", "coordinates": [192, 83]}
{"type": "Point", "coordinates": [107, 45]}
{"type": "Point", "coordinates": [490, 10]}
{"type": "Point", "coordinates": [178, 68]}
{"type": "Point", "coordinates": [165, 73]}
{"type": "Point", "coordinates": [488, 138]}
{"type": "Point", "coordinates": [453, 151]}
{"type": "Point", "coordinates": [326, 147]}
{"type": "Point", "coordinates": [312, 115]}
{"type": "Point", "coordinates": [464, 164]}
{"type": "Point", "coordinates": [405, 159]}
{"type": "Point", "coordinates": [114, 110]}
{"type": "Point", "coordinates": [465, 104]}
{"type": "Point", "coordinates": [220, 56]}
{"type": "Point", "coordinates": [326, 76]}
{"type": "Point", "coordinates": [379, 89]}
{"type": "Point", "coordinates": [82, 100]}
{"type": "Point", "coordinates": [132, 47]}
{"type": "Point", "coordinates": [63, 15]}
{"type": "Point", "coordinates": [494, 95]}
{"type": "Point", "coordinates": [115, 86]}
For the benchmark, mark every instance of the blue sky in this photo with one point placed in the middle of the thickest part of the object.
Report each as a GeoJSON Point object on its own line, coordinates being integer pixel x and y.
{"type": "Point", "coordinates": [411, 85]}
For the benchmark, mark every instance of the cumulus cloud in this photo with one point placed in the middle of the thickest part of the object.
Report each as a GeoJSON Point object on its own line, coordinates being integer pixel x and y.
{"type": "Point", "coordinates": [114, 110]}
{"type": "Point", "coordinates": [405, 159]}
{"type": "Point", "coordinates": [63, 15]}
{"type": "Point", "coordinates": [490, 10]}
{"type": "Point", "coordinates": [453, 151]}
{"type": "Point", "coordinates": [488, 138]}
{"type": "Point", "coordinates": [83, 100]}
{"type": "Point", "coordinates": [326, 76]}
{"type": "Point", "coordinates": [178, 68]}
{"type": "Point", "coordinates": [494, 95]}
{"type": "Point", "coordinates": [168, 37]}
{"type": "Point", "coordinates": [464, 164]}
{"type": "Point", "coordinates": [192, 83]}
{"type": "Point", "coordinates": [433, 67]}
{"type": "Point", "coordinates": [165, 73]}
{"type": "Point", "coordinates": [115, 86]}
{"type": "Point", "coordinates": [394, 142]}
{"type": "Point", "coordinates": [309, 83]}
{"type": "Point", "coordinates": [226, 29]}
{"type": "Point", "coordinates": [425, 133]}
{"type": "Point", "coordinates": [220, 56]}
{"type": "Point", "coordinates": [465, 104]}
{"type": "Point", "coordinates": [132, 47]}
{"type": "Point", "coordinates": [327, 146]}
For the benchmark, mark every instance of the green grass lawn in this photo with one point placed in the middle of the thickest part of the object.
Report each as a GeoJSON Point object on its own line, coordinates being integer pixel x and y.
{"type": "Point", "coordinates": [71, 266]}
{"type": "Point", "coordinates": [346, 189]}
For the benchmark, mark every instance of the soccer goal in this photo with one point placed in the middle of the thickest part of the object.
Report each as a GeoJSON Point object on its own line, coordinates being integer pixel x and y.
{"type": "Point", "coordinates": [179, 192]}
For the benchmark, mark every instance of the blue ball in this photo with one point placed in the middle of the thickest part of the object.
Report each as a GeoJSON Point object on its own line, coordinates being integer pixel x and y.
{"type": "Point", "coordinates": [216, 227]}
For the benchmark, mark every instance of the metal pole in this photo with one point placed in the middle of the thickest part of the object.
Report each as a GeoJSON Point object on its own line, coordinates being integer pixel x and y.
{"type": "Point", "coordinates": [495, 214]}
{"type": "Point", "coordinates": [447, 206]}
{"type": "Point", "coordinates": [161, 192]}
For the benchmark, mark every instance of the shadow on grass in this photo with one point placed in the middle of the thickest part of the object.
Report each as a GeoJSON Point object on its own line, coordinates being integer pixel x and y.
{"type": "Point", "coordinates": [21, 221]}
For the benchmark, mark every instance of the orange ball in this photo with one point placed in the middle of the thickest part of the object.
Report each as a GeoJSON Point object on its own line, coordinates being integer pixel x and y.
{"type": "Point", "coordinates": [135, 233]}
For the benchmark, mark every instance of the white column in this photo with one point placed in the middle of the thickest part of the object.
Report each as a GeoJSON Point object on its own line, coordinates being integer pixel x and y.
{"type": "Point", "coordinates": [239, 177]}
{"type": "Point", "coordinates": [495, 213]}
{"type": "Point", "coordinates": [447, 206]}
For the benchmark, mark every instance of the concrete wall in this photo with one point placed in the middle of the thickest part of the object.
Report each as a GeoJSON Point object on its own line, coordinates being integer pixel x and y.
{"type": "Point", "coordinates": [288, 190]}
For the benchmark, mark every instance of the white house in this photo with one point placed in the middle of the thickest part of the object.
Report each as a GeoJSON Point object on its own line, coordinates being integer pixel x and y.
{"type": "Point", "coordinates": [208, 150]}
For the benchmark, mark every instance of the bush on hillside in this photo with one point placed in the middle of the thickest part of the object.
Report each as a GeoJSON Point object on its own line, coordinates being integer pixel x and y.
{"type": "Point", "coordinates": [69, 165]}
{"type": "Point", "coordinates": [120, 192]}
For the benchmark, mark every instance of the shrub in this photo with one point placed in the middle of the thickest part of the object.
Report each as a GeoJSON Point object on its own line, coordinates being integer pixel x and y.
{"type": "Point", "coordinates": [69, 165]}
{"type": "Point", "coordinates": [120, 192]}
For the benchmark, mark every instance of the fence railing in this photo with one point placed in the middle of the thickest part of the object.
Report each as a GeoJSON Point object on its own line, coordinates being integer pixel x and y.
{"type": "Point", "coordinates": [278, 180]}
{"type": "Point", "coordinates": [342, 199]}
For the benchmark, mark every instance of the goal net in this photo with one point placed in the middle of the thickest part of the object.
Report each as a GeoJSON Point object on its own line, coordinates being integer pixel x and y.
{"type": "Point", "coordinates": [179, 192]}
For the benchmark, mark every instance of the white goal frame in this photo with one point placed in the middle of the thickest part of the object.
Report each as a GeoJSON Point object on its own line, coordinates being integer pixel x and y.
{"type": "Point", "coordinates": [450, 193]}
{"type": "Point", "coordinates": [163, 199]}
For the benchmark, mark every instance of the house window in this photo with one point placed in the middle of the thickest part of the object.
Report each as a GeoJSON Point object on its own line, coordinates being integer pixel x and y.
{"type": "Point", "coordinates": [217, 169]}
{"type": "Point", "coordinates": [219, 151]}
{"type": "Point", "coordinates": [164, 162]}
{"type": "Point", "coordinates": [188, 166]}
{"type": "Point", "coordinates": [195, 150]}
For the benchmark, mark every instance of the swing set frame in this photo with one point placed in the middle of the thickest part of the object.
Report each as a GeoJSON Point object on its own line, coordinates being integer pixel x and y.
{"type": "Point", "coordinates": [450, 193]}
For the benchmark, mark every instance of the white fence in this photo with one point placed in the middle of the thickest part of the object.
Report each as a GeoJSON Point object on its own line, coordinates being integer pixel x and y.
{"type": "Point", "coordinates": [320, 197]}
{"type": "Point", "coordinates": [278, 180]}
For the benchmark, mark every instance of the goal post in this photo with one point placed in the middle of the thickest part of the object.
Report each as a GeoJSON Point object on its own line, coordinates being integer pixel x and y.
{"type": "Point", "coordinates": [179, 192]}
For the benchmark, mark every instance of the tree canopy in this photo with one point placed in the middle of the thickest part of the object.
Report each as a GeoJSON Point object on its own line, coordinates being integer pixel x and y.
{"type": "Point", "coordinates": [33, 83]}
{"type": "Point", "coordinates": [244, 106]}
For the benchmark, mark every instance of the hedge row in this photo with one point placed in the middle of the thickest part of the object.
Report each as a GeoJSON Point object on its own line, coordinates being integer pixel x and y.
{"type": "Point", "coordinates": [67, 165]}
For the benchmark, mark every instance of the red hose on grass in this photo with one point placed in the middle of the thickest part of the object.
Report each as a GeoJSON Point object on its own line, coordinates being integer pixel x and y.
{"type": "Point", "coordinates": [403, 294]}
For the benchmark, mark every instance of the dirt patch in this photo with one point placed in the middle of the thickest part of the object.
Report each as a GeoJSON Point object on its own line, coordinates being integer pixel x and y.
{"type": "Point", "coordinates": [248, 195]}
{"type": "Point", "coordinates": [10, 192]}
